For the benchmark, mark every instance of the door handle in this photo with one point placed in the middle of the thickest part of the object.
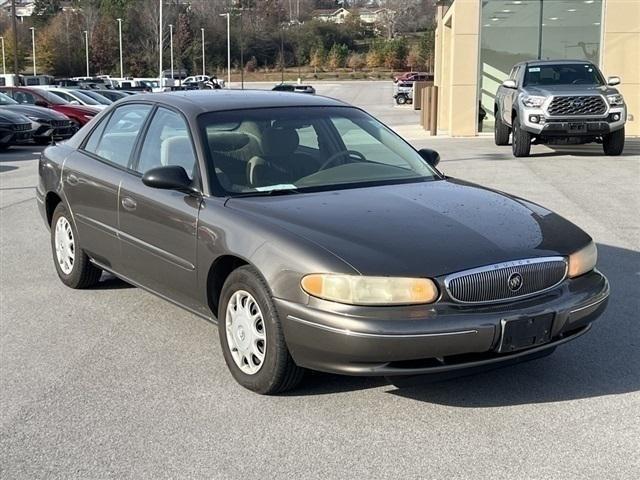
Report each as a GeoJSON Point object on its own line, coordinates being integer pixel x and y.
{"type": "Point", "coordinates": [72, 179]}
{"type": "Point", "coordinates": [129, 203]}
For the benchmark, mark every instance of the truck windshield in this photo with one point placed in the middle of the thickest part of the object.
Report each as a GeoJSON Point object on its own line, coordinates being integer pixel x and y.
{"type": "Point", "coordinates": [563, 74]}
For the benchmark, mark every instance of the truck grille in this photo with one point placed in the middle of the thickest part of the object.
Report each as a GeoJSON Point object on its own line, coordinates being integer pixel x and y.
{"type": "Point", "coordinates": [22, 127]}
{"type": "Point", "coordinates": [506, 281]}
{"type": "Point", "coordinates": [577, 105]}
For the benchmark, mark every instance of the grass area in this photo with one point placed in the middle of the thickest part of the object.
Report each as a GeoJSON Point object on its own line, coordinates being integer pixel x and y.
{"type": "Point", "coordinates": [307, 74]}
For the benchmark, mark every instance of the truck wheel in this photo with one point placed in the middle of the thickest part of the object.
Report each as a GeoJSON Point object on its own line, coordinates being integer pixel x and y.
{"type": "Point", "coordinates": [521, 143]}
{"type": "Point", "coordinates": [613, 143]}
{"type": "Point", "coordinates": [401, 99]}
{"type": "Point", "coordinates": [500, 131]}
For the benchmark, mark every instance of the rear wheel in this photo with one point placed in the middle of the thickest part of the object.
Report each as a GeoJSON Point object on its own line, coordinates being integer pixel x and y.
{"type": "Point", "coordinates": [251, 335]}
{"type": "Point", "coordinates": [72, 264]}
{"type": "Point", "coordinates": [500, 131]}
{"type": "Point", "coordinates": [613, 143]}
{"type": "Point", "coordinates": [521, 142]}
{"type": "Point", "coordinates": [401, 99]}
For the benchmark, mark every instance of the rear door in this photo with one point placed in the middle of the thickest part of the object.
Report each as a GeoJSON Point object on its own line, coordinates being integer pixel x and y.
{"type": "Point", "coordinates": [91, 178]}
{"type": "Point", "coordinates": [158, 227]}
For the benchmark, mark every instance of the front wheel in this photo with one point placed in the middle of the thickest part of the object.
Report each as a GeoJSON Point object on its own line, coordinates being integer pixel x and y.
{"type": "Point", "coordinates": [401, 99]}
{"type": "Point", "coordinates": [72, 264]}
{"type": "Point", "coordinates": [500, 131]}
{"type": "Point", "coordinates": [521, 142]}
{"type": "Point", "coordinates": [251, 335]}
{"type": "Point", "coordinates": [613, 143]}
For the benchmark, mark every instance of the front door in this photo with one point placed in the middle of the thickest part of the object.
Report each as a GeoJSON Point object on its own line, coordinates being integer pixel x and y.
{"type": "Point", "coordinates": [158, 227]}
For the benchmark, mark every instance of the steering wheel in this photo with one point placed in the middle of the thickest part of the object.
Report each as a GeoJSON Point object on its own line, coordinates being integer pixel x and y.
{"type": "Point", "coordinates": [332, 159]}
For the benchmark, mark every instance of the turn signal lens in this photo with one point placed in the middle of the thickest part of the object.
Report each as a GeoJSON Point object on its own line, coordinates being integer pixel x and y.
{"type": "Point", "coordinates": [583, 261]}
{"type": "Point", "coordinates": [358, 290]}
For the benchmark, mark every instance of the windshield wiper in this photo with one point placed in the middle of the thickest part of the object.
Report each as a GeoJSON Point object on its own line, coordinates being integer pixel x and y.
{"type": "Point", "coordinates": [268, 193]}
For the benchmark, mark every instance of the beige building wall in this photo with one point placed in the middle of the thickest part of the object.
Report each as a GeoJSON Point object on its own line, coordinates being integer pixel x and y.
{"type": "Point", "coordinates": [457, 68]}
{"type": "Point", "coordinates": [621, 54]}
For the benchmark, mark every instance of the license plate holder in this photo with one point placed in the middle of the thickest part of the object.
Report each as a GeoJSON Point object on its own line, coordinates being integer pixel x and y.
{"type": "Point", "coordinates": [577, 127]}
{"type": "Point", "coordinates": [525, 332]}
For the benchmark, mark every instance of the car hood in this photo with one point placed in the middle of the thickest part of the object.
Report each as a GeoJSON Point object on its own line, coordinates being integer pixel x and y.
{"type": "Point", "coordinates": [420, 229]}
{"type": "Point", "coordinates": [548, 90]}
{"type": "Point", "coordinates": [40, 112]}
{"type": "Point", "coordinates": [7, 116]}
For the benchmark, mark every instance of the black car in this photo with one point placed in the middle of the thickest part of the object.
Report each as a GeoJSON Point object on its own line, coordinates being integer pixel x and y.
{"type": "Point", "coordinates": [314, 236]}
{"type": "Point", "coordinates": [294, 87]}
{"type": "Point", "coordinates": [45, 124]}
{"type": "Point", "coordinates": [15, 129]}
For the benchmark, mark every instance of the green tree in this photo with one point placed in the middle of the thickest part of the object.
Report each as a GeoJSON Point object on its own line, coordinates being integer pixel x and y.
{"type": "Point", "coordinates": [337, 56]}
{"type": "Point", "coordinates": [44, 10]}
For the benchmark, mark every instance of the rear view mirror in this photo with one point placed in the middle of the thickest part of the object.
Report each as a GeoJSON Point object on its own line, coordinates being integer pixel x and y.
{"type": "Point", "coordinates": [611, 81]}
{"type": "Point", "coordinates": [509, 83]}
{"type": "Point", "coordinates": [430, 156]}
{"type": "Point", "coordinates": [171, 177]}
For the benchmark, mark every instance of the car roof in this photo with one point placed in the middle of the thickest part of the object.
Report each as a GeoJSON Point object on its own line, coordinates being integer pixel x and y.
{"type": "Point", "coordinates": [554, 62]}
{"type": "Point", "coordinates": [200, 101]}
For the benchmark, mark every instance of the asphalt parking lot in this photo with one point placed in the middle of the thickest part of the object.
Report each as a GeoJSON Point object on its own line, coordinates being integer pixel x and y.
{"type": "Point", "coordinates": [116, 383]}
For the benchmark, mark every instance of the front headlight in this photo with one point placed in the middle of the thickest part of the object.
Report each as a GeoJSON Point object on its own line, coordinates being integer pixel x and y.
{"type": "Point", "coordinates": [583, 261]}
{"type": "Point", "coordinates": [533, 101]}
{"type": "Point", "coordinates": [615, 100]}
{"type": "Point", "coordinates": [359, 290]}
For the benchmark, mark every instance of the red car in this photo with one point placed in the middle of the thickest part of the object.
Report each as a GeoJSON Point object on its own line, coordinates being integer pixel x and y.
{"type": "Point", "coordinates": [413, 77]}
{"type": "Point", "coordinates": [80, 114]}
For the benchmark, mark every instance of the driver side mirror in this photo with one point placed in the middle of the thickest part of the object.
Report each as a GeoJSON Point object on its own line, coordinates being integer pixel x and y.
{"type": "Point", "coordinates": [170, 177]}
{"type": "Point", "coordinates": [611, 81]}
{"type": "Point", "coordinates": [430, 156]}
{"type": "Point", "coordinates": [508, 83]}
{"type": "Point", "coordinates": [40, 103]}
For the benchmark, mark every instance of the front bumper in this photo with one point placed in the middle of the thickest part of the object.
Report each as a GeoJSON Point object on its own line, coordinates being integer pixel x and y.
{"type": "Point", "coordinates": [392, 341]}
{"type": "Point", "coordinates": [573, 126]}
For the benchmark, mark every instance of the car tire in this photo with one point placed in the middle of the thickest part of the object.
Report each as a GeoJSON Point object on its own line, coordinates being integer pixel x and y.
{"type": "Point", "coordinates": [521, 141]}
{"type": "Point", "coordinates": [72, 263]}
{"type": "Point", "coordinates": [401, 99]}
{"type": "Point", "coordinates": [254, 323]}
{"type": "Point", "coordinates": [501, 131]}
{"type": "Point", "coordinates": [613, 143]}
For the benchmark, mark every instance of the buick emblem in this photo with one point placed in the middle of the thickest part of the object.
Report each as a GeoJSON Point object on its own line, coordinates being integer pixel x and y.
{"type": "Point", "coordinates": [514, 282]}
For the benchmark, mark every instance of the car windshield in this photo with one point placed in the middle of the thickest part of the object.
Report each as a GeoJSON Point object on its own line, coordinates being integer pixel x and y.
{"type": "Point", "coordinates": [7, 100]}
{"type": "Point", "coordinates": [51, 98]}
{"type": "Point", "coordinates": [562, 74]}
{"type": "Point", "coordinates": [83, 97]}
{"type": "Point", "coordinates": [97, 97]}
{"type": "Point", "coordinates": [294, 149]}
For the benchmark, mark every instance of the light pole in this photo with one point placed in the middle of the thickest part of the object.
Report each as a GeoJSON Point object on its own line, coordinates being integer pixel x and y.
{"type": "Point", "coordinates": [4, 70]}
{"type": "Point", "coordinates": [228, 15]}
{"type": "Point", "coordinates": [33, 48]}
{"type": "Point", "coordinates": [203, 69]}
{"type": "Point", "coordinates": [160, 45]}
{"type": "Point", "coordinates": [86, 49]}
{"type": "Point", "coordinates": [120, 41]}
{"type": "Point", "coordinates": [171, 47]}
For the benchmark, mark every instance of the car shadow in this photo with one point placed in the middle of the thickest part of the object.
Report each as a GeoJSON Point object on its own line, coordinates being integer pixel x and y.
{"type": "Point", "coordinates": [7, 168]}
{"type": "Point", "coordinates": [602, 362]}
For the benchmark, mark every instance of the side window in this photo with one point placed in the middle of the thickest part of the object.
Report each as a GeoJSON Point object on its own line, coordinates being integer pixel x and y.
{"type": "Point", "coordinates": [94, 137]}
{"type": "Point", "coordinates": [115, 141]}
{"type": "Point", "coordinates": [167, 142]}
{"type": "Point", "coordinates": [64, 96]}
{"type": "Point", "coordinates": [21, 96]}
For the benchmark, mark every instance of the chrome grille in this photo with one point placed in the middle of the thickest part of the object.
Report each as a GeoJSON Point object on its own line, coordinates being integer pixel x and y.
{"type": "Point", "coordinates": [492, 283]}
{"type": "Point", "coordinates": [577, 105]}
{"type": "Point", "coordinates": [22, 127]}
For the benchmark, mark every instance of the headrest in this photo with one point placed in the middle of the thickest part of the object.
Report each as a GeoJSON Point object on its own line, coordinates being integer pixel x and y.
{"type": "Point", "coordinates": [227, 141]}
{"type": "Point", "coordinates": [279, 141]}
{"type": "Point", "coordinates": [178, 151]}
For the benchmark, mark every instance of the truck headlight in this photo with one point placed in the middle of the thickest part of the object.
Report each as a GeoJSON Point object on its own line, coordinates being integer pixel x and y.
{"type": "Point", "coordinates": [615, 100]}
{"type": "Point", "coordinates": [533, 101]}
{"type": "Point", "coordinates": [583, 261]}
{"type": "Point", "coordinates": [359, 290]}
